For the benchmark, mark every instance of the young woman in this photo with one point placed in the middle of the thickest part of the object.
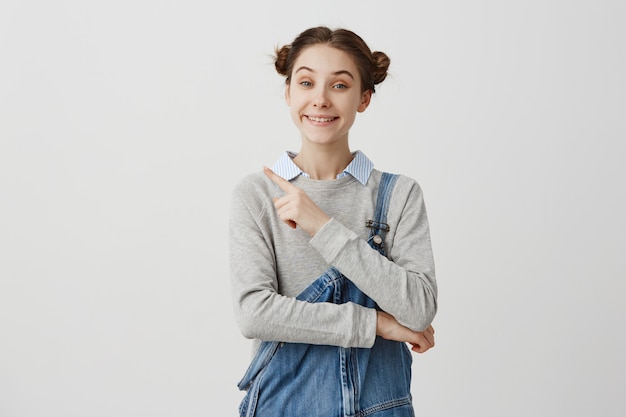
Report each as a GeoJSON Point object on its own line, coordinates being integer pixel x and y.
{"type": "Point", "coordinates": [331, 261]}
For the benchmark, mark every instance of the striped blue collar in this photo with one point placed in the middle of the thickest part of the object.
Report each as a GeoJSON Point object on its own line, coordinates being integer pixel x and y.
{"type": "Point", "coordinates": [360, 167]}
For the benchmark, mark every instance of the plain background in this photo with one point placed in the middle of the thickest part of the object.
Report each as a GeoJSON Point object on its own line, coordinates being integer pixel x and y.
{"type": "Point", "coordinates": [124, 126]}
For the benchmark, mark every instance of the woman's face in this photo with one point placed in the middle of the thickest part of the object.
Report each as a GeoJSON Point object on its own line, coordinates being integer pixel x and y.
{"type": "Point", "coordinates": [324, 94]}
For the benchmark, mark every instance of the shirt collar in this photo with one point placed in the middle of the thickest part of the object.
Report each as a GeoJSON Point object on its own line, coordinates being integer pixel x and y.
{"type": "Point", "coordinates": [360, 167]}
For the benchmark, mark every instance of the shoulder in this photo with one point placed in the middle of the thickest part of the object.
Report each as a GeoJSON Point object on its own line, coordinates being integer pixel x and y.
{"type": "Point", "coordinates": [407, 199]}
{"type": "Point", "coordinates": [407, 211]}
{"type": "Point", "coordinates": [404, 186]}
{"type": "Point", "coordinates": [253, 193]}
{"type": "Point", "coordinates": [252, 182]}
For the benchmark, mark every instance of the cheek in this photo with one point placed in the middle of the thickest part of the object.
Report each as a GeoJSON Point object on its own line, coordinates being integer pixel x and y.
{"type": "Point", "coordinates": [354, 105]}
{"type": "Point", "coordinates": [295, 112]}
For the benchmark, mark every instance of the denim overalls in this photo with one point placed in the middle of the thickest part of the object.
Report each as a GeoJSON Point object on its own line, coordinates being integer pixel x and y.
{"type": "Point", "coordinates": [305, 380]}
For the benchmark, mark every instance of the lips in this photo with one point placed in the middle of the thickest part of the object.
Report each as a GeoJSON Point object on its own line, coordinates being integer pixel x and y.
{"type": "Point", "coordinates": [319, 119]}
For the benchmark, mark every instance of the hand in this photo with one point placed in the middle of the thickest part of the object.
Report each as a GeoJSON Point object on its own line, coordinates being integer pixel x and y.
{"type": "Point", "coordinates": [296, 208]}
{"type": "Point", "coordinates": [388, 328]}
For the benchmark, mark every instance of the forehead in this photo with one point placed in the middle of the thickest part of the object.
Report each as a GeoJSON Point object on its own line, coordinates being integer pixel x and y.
{"type": "Point", "coordinates": [325, 59]}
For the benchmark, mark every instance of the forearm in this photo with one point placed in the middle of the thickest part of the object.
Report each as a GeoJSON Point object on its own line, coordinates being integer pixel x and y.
{"type": "Point", "coordinates": [266, 315]}
{"type": "Point", "coordinates": [405, 290]}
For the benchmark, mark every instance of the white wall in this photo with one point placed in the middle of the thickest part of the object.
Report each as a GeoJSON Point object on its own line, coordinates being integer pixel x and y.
{"type": "Point", "coordinates": [125, 124]}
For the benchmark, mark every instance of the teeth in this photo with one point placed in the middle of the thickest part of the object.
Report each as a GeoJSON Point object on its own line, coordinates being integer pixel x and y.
{"type": "Point", "coordinates": [321, 119]}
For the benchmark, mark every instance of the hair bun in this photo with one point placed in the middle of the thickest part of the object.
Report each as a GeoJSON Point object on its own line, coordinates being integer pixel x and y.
{"type": "Point", "coordinates": [381, 63]}
{"type": "Point", "coordinates": [281, 60]}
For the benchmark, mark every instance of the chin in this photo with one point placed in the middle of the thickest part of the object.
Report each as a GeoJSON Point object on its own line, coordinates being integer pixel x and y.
{"type": "Point", "coordinates": [322, 141]}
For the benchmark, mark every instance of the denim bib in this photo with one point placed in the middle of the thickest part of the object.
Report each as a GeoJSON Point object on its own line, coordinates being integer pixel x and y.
{"type": "Point", "coordinates": [305, 380]}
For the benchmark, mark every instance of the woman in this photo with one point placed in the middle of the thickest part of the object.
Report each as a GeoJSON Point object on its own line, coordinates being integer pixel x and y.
{"type": "Point", "coordinates": [331, 261]}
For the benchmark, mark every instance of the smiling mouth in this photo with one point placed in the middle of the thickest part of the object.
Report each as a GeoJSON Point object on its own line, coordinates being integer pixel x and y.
{"type": "Point", "coordinates": [321, 119]}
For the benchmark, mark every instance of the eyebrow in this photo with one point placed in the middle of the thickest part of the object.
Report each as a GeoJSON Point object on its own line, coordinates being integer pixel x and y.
{"type": "Point", "coordinates": [340, 72]}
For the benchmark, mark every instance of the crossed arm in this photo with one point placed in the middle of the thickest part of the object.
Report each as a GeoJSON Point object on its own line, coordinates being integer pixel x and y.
{"type": "Point", "coordinates": [296, 209]}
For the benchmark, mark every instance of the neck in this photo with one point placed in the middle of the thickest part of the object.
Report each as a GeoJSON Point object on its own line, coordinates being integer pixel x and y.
{"type": "Point", "coordinates": [323, 162]}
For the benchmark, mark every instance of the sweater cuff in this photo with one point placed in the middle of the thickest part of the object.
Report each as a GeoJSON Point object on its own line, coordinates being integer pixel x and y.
{"type": "Point", "coordinates": [331, 239]}
{"type": "Point", "coordinates": [367, 327]}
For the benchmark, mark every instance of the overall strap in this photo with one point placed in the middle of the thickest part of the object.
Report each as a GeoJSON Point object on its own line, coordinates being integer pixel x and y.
{"type": "Point", "coordinates": [379, 226]}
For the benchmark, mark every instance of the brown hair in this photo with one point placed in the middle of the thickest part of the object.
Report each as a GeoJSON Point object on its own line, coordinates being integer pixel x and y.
{"type": "Point", "coordinates": [372, 65]}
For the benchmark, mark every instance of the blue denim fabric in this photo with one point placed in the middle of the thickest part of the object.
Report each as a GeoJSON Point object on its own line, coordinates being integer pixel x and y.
{"type": "Point", "coordinates": [304, 380]}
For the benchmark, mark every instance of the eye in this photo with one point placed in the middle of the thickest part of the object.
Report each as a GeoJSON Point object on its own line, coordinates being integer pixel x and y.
{"type": "Point", "coordinates": [306, 83]}
{"type": "Point", "coordinates": [340, 86]}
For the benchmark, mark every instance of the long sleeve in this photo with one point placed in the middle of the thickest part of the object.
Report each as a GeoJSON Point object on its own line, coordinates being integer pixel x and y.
{"type": "Point", "coordinates": [404, 286]}
{"type": "Point", "coordinates": [261, 310]}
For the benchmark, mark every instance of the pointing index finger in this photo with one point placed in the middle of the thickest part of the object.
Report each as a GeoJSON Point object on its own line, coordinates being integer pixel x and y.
{"type": "Point", "coordinates": [278, 180]}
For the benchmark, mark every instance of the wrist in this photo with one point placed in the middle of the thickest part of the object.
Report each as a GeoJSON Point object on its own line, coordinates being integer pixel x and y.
{"type": "Point", "coordinates": [319, 224]}
{"type": "Point", "coordinates": [380, 322]}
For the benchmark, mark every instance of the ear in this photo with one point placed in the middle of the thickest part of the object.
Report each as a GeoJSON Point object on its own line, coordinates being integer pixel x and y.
{"type": "Point", "coordinates": [365, 101]}
{"type": "Point", "coordinates": [287, 97]}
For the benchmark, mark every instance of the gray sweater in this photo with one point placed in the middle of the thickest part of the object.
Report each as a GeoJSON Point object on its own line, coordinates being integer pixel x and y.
{"type": "Point", "coordinates": [272, 263]}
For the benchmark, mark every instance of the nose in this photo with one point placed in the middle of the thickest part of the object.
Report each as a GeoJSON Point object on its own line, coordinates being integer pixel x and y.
{"type": "Point", "coordinates": [321, 98]}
